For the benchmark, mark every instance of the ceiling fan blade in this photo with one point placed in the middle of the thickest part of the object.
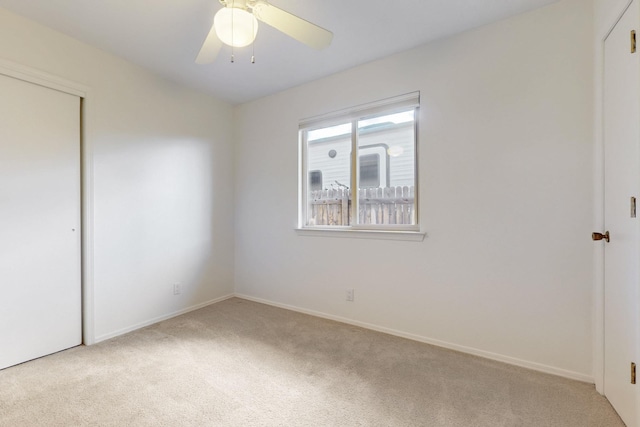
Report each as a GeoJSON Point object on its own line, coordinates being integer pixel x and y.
{"type": "Point", "coordinates": [210, 48]}
{"type": "Point", "coordinates": [293, 26]}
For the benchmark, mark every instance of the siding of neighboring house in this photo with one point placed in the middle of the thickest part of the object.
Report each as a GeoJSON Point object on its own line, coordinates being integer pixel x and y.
{"type": "Point", "coordinates": [376, 141]}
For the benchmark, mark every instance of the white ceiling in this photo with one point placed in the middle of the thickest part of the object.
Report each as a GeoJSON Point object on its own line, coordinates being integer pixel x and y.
{"type": "Point", "coordinates": [165, 36]}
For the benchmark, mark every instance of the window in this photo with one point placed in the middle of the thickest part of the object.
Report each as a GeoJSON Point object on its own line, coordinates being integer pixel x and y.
{"type": "Point", "coordinates": [383, 137]}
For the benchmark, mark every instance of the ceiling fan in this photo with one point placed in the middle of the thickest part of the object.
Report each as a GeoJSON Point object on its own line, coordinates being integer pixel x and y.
{"type": "Point", "coordinates": [236, 24]}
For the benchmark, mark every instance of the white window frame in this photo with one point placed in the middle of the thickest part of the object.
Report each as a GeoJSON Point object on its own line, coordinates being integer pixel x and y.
{"type": "Point", "coordinates": [354, 114]}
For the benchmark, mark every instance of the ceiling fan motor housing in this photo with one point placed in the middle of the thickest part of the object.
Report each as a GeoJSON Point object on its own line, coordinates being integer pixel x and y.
{"type": "Point", "coordinates": [236, 25]}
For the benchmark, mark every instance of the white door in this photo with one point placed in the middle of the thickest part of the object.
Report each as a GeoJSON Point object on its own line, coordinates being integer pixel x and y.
{"type": "Point", "coordinates": [622, 182]}
{"type": "Point", "coordinates": [40, 302]}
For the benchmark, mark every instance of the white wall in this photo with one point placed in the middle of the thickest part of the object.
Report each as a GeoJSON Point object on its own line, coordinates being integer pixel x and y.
{"type": "Point", "coordinates": [162, 180]}
{"type": "Point", "coordinates": [506, 159]}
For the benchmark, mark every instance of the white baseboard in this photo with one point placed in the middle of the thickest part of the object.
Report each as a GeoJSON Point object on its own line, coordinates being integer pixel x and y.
{"type": "Point", "coordinates": [469, 350]}
{"type": "Point", "coordinates": [160, 319]}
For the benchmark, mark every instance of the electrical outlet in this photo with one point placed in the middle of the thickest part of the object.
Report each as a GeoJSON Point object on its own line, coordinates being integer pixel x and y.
{"type": "Point", "coordinates": [350, 295]}
{"type": "Point", "coordinates": [177, 288]}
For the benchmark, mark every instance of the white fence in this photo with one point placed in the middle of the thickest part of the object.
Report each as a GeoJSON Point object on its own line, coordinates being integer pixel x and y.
{"type": "Point", "coordinates": [389, 205]}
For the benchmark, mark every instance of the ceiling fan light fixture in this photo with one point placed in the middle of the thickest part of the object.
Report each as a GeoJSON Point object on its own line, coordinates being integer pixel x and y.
{"type": "Point", "coordinates": [235, 27]}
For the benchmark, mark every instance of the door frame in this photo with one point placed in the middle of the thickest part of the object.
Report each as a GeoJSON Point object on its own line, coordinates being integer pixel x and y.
{"type": "Point", "coordinates": [32, 75]}
{"type": "Point", "coordinates": [598, 250]}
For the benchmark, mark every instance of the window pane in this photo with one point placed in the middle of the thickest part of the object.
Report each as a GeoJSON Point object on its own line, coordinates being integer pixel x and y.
{"type": "Point", "coordinates": [329, 163]}
{"type": "Point", "coordinates": [380, 146]}
{"type": "Point", "coordinates": [386, 146]}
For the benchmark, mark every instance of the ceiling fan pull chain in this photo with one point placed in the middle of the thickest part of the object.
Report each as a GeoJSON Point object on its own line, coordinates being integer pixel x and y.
{"type": "Point", "coordinates": [232, 15]}
{"type": "Point", "coordinates": [253, 43]}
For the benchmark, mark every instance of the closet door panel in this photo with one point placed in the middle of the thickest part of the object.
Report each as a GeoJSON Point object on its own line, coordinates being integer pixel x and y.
{"type": "Point", "coordinates": [40, 236]}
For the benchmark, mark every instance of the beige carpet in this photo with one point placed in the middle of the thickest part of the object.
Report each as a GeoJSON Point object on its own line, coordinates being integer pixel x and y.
{"type": "Point", "coordinates": [238, 363]}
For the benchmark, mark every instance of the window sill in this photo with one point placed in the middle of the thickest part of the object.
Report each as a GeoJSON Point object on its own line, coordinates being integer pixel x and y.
{"type": "Point", "coordinates": [413, 236]}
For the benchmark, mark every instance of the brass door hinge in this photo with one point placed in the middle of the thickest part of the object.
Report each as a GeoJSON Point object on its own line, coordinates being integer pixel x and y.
{"type": "Point", "coordinates": [633, 373]}
{"type": "Point", "coordinates": [633, 41]}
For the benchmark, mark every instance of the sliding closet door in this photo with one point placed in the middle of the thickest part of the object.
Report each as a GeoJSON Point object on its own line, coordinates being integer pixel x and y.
{"type": "Point", "coordinates": [40, 297]}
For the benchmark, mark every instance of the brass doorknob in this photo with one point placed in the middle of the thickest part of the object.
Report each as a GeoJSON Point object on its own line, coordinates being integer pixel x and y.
{"type": "Point", "coordinates": [600, 236]}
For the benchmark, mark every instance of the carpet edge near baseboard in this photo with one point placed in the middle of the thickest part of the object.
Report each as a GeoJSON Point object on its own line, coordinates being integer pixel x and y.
{"type": "Point", "coordinates": [463, 349]}
{"type": "Point", "coordinates": [161, 318]}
